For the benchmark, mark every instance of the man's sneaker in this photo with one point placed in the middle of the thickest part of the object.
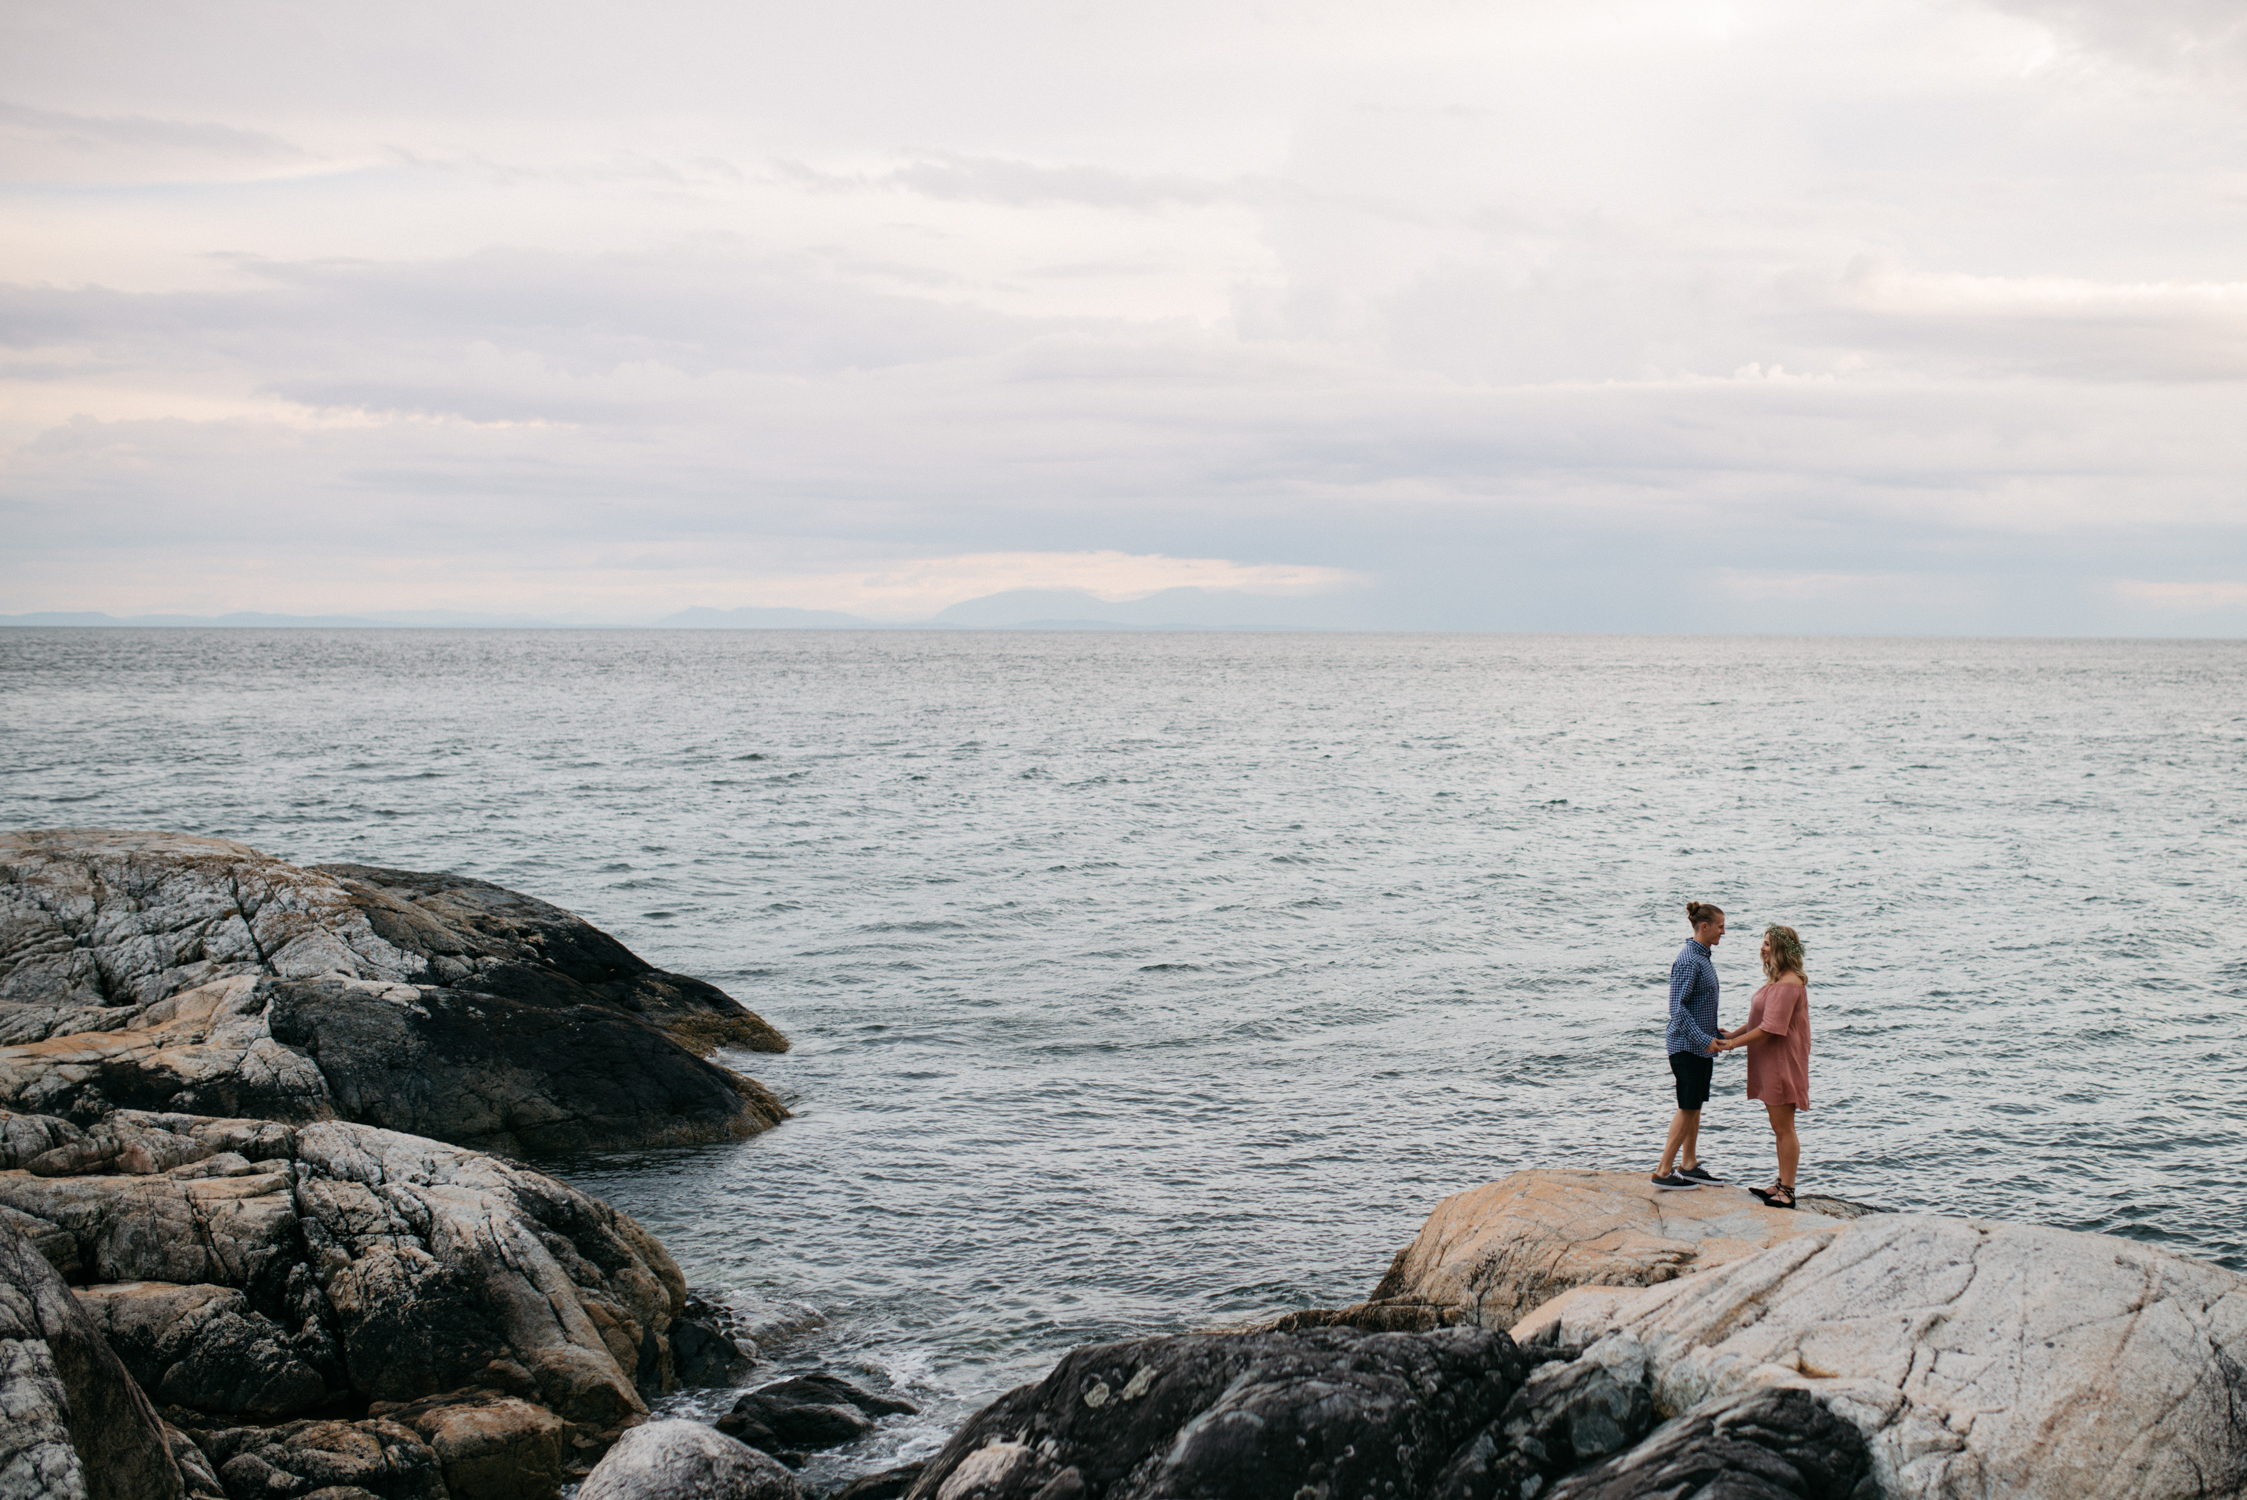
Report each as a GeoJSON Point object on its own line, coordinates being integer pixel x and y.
{"type": "Point", "coordinates": [1676, 1182]}
{"type": "Point", "coordinates": [1700, 1173]}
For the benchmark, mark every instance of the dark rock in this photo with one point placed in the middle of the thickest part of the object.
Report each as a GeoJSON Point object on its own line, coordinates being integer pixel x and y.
{"type": "Point", "coordinates": [708, 1347]}
{"type": "Point", "coordinates": [674, 1459]}
{"type": "Point", "coordinates": [484, 938]}
{"type": "Point", "coordinates": [833, 1390]}
{"type": "Point", "coordinates": [1761, 1445]}
{"type": "Point", "coordinates": [1387, 1315]}
{"type": "Point", "coordinates": [1245, 1416]}
{"type": "Point", "coordinates": [778, 1424]}
{"type": "Point", "coordinates": [162, 972]}
{"type": "Point", "coordinates": [194, 1467]}
{"type": "Point", "coordinates": [376, 1456]}
{"type": "Point", "coordinates": [1567, 1414]}
{"type": "Point", "coordinates": [889, 1484]}
{"type": "Point", "coordinates": [74, 1421]}
{"type": "Point", "coordinates": [202, 1347]}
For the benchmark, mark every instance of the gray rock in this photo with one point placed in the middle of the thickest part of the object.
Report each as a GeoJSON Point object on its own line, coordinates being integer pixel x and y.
{"type": "Point", "coordinates": [73, 1425]}
{"type": "Point", "coordinates": [806, 1413]}
{"type": "Point", "coordinates": [202, 1347]}
{"type": "Point", "coordinates": [1248, 1416]}
{"type": "Point", "coordinates": [164, 972]}
{"type": "Point", "coordinates": [194, 1466]}
{"type": "Point", "coordinates": [673, 1459]}
{"type": "Point", "coordinates": [395, 1267]}
{"type": "Point", "coordinates": [1760, 1445]}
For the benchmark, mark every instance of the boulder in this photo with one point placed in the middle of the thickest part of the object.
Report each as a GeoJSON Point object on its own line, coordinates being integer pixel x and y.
{"type": "Point", "coordinates": [1330, 1411]}
{"type": "Point", "coordinates": [302, 1459]}
{"type": "Point", "coordinates": [202, 1347]}
{"type": "Point", "coordinates": [171, 973]}
{"type": "Point", "coordinates": [709, 1345]}
{"type": "Point", "coordinates": [671, 1459]}
{"type": "Point", "coordinates": [394, 1267]}
{"type": "Point", "coordinates": [1489, 1255]}
{"type": "Point", "coordinates": [73, 1425]}
{"type": "Point", "coordinates": [806, 1413]}
{"type": "Point", "coordinates": [489, 1445]}
{"type": "Point", "coordinates": [1570, 1412]}
{"type": "Point", "coordinates": [888, 1484]}
{"type": "Point", "coordinates": [1975, 1358]}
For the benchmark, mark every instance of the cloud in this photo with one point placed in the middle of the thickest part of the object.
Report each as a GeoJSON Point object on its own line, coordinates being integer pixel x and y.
{"type": "Point", "coordinates": [1632, 315]}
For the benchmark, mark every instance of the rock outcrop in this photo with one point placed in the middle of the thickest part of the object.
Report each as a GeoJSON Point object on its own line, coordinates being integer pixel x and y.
{"type": "Point", "coordinates": [171, 973]}
{"type": "Point", "coordinates": [73, 1425]}
{"type": "Point", "coordinates": [248, 1271]}
{"type": "Point", "coordinates": [1489, 1255]}
{"type": "Point", "coordinates": [1453, 1414]}
{"type": "Point", "coordinates": [1976, 1358]}
{"type": "Point", "coordinates": [674, 1459]}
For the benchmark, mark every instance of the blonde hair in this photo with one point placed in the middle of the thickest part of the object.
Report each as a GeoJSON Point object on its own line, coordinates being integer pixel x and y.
{"type": "Point", "coordinates": [1785, 956]}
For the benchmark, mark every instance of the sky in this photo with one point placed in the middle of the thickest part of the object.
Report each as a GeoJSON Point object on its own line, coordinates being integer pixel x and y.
{"type": "Point", "coordinates": [1629, 315]}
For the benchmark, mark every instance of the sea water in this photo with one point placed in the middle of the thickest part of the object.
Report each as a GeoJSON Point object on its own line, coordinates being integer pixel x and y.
{"type": "Point", "coordinates": [1148, 982]}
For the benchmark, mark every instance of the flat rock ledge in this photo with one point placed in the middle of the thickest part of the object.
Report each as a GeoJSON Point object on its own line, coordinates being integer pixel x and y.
{"type": "Point", "coordinates": [166, 972]}
{"type": "Point", "coordinates": [1489, 1255]}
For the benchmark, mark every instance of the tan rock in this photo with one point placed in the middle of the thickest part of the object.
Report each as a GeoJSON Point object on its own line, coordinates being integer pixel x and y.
{"type": "Point", "coordinates": [490, 1446]}
{"type": "Point", "coordinates": [1492, 1254]}
{"type": "Point", "coordinates": [1979, 1359]}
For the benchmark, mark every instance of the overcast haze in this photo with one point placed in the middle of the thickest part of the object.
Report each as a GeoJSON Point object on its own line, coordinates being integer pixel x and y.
{"type": "Point", "coordinates": [1667, 316]}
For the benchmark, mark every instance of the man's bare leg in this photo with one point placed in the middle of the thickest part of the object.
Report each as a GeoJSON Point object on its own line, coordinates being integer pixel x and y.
{"type": "Point", "coordinates": [1685, 1135]}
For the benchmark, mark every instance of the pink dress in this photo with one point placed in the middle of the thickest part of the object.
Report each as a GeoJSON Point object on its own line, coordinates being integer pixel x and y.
{"type": "Point", "coordinates": [1779, 1064]}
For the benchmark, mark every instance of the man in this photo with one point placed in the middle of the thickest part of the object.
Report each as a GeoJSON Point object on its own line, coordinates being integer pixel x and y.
{"type": "Point", "coordinates": [1693, 1040]}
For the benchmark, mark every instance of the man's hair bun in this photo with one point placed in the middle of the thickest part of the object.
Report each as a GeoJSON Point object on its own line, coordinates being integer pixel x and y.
{"type": "Point", "coordinates": [1698, 912]}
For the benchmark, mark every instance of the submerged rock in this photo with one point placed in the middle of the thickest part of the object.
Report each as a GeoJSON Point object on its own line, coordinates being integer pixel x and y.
{"type": "Point", "coordinates": [72, 1421]}
{"type": "Point", "coordinates": [173, 973]}
{"type": "Point", "coordinates": [673, 1459]}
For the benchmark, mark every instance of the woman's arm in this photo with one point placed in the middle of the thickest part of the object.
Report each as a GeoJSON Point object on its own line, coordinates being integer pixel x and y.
{"type": "Point", "coordinates": [1743, 1038]}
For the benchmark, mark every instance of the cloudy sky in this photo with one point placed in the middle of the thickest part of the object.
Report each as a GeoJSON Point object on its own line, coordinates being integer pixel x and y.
{"type": "Point", "coordinates": [1616, 315]}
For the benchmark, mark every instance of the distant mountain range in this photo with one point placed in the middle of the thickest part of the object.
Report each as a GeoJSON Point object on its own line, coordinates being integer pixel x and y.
{"type": "Point", "coordinates": [1015, 609]}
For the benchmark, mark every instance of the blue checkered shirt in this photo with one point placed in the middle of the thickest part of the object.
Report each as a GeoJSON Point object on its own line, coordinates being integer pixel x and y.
{"type": "Point", "coordinates": [1693, 990]}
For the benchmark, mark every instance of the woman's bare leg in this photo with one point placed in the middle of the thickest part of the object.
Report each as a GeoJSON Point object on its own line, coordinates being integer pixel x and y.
{"type": "Point", "coordinates": [1790, 1145]}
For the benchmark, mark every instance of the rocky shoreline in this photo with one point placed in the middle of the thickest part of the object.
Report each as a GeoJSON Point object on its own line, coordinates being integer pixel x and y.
{"type": "Point", "coordinates": [256, 1241]}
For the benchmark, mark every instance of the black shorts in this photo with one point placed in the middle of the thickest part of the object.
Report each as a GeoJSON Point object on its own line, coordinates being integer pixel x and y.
{"type": "Point", "coordinates": [1693, 1075]}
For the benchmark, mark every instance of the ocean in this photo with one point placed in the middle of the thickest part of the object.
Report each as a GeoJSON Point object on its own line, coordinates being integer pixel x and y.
{"type": "Point", "coordinates": [1143, 982]}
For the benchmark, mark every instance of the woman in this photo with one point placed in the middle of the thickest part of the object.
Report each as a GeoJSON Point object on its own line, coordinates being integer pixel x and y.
{"type": "Point", "coordinates": [1777, 1037]}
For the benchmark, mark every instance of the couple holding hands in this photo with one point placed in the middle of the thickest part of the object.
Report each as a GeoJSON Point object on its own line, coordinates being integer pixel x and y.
{"type": "Point", "coordinates": [1776, 1037]}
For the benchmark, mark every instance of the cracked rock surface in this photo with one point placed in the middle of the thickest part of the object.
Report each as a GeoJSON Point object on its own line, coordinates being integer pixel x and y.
{"type": "Point", "coordinates": [168, 972]}
{"type": "Point", "coordinates": [73, 1425]}
{"type": "Point", "coordinates": [1976, 1358]}
{"type": "Point", "coordinates": [270, 1268]}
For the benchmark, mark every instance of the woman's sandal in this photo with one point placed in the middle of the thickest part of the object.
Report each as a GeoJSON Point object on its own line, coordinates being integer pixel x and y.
{"type": "Point", "coordinates": [1778, 1195]}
